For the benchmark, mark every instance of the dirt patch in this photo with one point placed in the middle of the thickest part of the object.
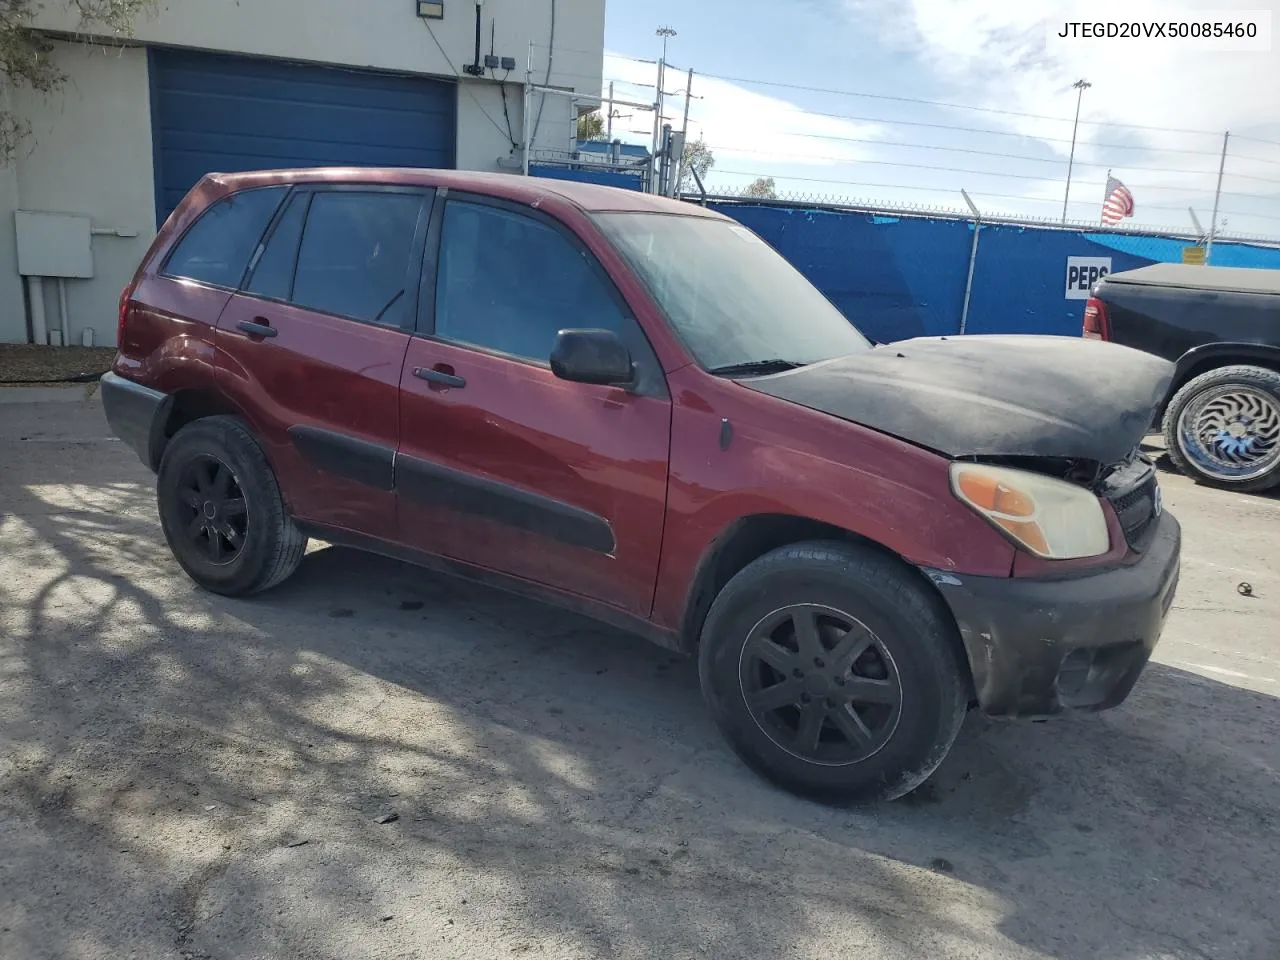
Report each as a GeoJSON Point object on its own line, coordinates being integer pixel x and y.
{"type": "Point", "coordinates": [35, 365]}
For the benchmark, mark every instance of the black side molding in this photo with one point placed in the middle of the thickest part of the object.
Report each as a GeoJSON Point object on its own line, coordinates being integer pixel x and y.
{"type": "Point", "coordinates": [353, 459]}
{"type": "Point", "coordinates": [601, 612]}
{"type": "Point", "coordinates": [440, 486]}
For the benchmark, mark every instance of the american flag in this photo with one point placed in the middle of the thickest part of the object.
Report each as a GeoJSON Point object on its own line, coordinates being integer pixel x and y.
{"type": "Point", "coordinates": [1119, 202]}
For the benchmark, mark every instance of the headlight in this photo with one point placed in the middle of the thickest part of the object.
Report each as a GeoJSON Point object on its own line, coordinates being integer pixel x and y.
{"type": "Point", "coordinates": [1051, 518]}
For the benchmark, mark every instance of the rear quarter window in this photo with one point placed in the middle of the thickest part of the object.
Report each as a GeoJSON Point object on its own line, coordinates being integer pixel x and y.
{"type": "Point", "coordinates": [217, 247]}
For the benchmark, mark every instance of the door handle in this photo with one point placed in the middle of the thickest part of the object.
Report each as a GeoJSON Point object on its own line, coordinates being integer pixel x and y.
{"type": "Point", "coordinates": [441, 377]}
{"type": "Point", "coordinates": [258, 328]}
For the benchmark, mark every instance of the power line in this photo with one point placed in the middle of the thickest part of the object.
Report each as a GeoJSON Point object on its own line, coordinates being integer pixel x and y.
{"type": "Point", "coordinates": [1241, 136]}
{"type": "Point", "coordinates": [969, 150]}
{"type": "Point", "coordinates": [1250, 176]}
{"type": "Point", "coordinates": [994, 133]}
{"type": "Point", "coordinates": [467, 87]}
{"type": "Point", "coordinates": [595, 53]}
{"type": "Point", "coordinates": [1241, 156]}
{"type": "Point", "coordinates": [951, 106]}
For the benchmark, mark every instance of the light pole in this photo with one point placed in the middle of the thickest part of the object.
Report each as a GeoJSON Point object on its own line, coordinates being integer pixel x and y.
{"type": "Point", "coordinates": [666, 33]}
{"type": "Point", "coordinates": [1081, 86]}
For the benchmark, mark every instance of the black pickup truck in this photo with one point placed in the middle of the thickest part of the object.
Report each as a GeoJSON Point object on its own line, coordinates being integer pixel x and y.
{"type": "Point", "coordinates": [1221, 326]}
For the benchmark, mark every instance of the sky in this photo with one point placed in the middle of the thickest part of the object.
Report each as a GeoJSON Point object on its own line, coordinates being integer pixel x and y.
{"type": "Point", "coordinates": [909, 101]}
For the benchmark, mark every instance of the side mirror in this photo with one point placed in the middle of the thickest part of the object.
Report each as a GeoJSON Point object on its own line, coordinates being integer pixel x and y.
{"type": "Point", "coordinates": [592, 356]}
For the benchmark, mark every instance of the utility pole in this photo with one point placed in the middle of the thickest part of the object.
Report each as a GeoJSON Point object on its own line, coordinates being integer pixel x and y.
{"type": "Point", "coordinates": [610, 114]}
{"type": "Point", "coordinates": [973, 260]}
{"type": "Point", "coordinates": [1217, 195]}
{"type": "Point", "coordinates": [524, 112]}
{"type": "Point", "coordinates": [684, 131]}
{"type": "Point", "coordinates": [1081, 86]}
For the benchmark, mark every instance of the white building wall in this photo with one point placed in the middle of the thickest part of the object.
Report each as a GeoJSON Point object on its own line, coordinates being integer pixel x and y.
{"type": "Point", "coordinates": [388, 35]}
{"type": "Point", "coordinates": [91, 149]}
{"type": "Point", "coordinates": [90, 154]}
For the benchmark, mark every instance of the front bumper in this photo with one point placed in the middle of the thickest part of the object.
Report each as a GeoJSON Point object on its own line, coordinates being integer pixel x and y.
{"type": "Point", "coordinates": [137, 415]}
{"type": "Point", "coordinates": [1040, 647]}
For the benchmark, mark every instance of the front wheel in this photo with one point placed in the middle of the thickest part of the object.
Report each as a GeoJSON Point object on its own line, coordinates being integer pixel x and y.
{"type": "Point", "coordinates": [1223, 428]}
{"type": "Point", "coordinates": [833, 672]}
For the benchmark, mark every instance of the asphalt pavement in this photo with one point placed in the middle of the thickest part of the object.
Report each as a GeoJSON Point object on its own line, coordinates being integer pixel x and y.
{"type": "Point", "coordinates": [376, 762]}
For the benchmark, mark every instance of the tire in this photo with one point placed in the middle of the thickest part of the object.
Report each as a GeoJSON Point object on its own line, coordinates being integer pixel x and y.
{"type": "Point", "coordinates": [217, 461]}
{"type": "Point", "coordinates": [1216, 402]}
{"type": "Point", "coordinates": [914, 641]}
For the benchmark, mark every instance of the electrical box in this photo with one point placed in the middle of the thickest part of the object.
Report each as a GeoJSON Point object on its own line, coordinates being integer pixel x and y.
{"type": "Point", "coordinates": [54, 245]}
{"type": "Point", "coordinates": [676, 146]}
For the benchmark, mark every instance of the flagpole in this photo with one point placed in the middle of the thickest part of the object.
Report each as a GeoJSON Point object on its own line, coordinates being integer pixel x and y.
{"type": "Point", "coordinates": [1106, 192]}
{"type": "Point", "coordinates": [1080, 85]}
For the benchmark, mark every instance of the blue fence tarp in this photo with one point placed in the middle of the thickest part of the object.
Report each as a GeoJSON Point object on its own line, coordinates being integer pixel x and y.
{"type": "Point", "coordinates": [584, 174]}
{"type": "Point", "coordinates": [900, 277]}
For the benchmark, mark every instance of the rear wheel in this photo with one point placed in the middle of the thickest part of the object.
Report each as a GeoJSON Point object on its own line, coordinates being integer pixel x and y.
{"type": "Point", "coordinates": [222, 512]}
{"type": "Point", "coordinates": [1223, 428]}
{"type": "Point", "coordinates": [833, 672]}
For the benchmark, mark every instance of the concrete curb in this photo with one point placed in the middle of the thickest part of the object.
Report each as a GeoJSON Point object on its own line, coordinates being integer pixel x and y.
{"type": "Point", "coordinates": [71, 393]}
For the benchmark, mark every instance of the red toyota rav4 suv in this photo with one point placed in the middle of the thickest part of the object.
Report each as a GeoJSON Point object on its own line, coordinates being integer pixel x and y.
{"type": "Point", "coordinates": [635, 408]}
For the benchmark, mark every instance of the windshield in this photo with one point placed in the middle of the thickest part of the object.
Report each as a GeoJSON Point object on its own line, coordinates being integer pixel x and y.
{"type": "Point", "coordinates": [732, 299]}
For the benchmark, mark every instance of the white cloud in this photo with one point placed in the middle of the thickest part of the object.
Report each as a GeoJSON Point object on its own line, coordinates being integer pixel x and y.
{"type": "Point", "coordinates": [741, 126]}
{"type": "Point", "coordinates": [993, 53]}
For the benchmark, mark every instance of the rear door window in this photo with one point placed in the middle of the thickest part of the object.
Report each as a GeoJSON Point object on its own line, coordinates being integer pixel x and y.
{"type": "Point", "coordinates": [355, 253]}
{"type": "Point", "coordinates": [273, 273]}
{"type": "Point", "coordinates": [217, 248]}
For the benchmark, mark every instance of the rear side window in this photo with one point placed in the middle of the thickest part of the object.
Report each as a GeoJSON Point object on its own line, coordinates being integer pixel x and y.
{"type": "Point", "coordinates": [217, 248]}
{"type": "Point", "coordinates": [354, 257]}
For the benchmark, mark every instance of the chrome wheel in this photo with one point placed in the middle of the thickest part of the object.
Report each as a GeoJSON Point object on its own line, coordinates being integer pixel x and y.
{"type": "Point", "coordinates": [1231, 432]}
{"type": "Point", "coordinates": [820, 684]}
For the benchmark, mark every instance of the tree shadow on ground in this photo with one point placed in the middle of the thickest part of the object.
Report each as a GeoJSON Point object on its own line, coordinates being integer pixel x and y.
{"type": "Point", "coordinates": [188, 775]}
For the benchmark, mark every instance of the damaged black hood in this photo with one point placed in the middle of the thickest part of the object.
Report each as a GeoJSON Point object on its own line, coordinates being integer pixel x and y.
{"type": "Point", "coordinates": [982, 396]}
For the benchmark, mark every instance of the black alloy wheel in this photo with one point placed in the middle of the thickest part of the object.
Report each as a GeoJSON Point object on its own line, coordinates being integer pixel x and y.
{"type": "Point", "coordinates": [820, 684]}
{"type": "Point", "coordinates": [222, 511]}
{"type": "Point", "coordinates": [834, 671]}
{"type": "Point", "coordinates": [216, 518]}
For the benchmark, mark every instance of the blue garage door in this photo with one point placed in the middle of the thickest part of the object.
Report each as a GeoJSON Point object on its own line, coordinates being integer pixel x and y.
{"type": "Point", "coordinates": [227, 114]}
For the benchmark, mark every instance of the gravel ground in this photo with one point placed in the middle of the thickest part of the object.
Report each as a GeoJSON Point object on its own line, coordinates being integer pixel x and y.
{"type": "Point", "coordinates": [373, 762]}
{"type": "Point", "coordinates": [29, 364]}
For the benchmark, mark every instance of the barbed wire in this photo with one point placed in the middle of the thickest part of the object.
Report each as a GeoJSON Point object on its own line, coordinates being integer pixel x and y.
{"type": "Point", "coordinates": [981, 173]}
{"type": "Point", "coordinates": [825, 201]}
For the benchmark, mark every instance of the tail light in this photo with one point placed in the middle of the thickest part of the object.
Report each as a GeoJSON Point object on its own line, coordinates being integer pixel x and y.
{"type": "Point", "coordinates": [125, 296]}
{"type": "Point", "coordinates": [1097, 322]}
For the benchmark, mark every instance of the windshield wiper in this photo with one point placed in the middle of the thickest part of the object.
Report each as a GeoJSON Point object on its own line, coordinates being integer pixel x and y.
{"type": "Point", "coordinates": [760, 367]}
